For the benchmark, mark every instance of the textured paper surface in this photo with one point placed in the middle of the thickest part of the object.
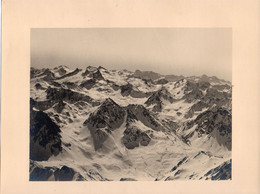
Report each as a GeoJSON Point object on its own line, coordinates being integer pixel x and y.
{"type": "Point", "coordinates": [19, 16]}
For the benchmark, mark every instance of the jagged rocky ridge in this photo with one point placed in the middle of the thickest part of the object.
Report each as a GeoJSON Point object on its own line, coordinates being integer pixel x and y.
{"type": "Point", "coordinates": [145, 123]}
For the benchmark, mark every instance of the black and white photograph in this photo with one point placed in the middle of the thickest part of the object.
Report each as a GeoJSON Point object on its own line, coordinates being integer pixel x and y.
{"type": "Point", "coordinates": [130, 104]}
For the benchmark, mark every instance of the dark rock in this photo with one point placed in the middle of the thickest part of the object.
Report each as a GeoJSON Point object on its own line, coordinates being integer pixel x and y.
{"type": "Point", "coordinates": [133, 137]}
{"type": "Point", "coordinates": [61, 70]}
{"type": "Point", "coordinates": [70, 85]}
{"type": "Point", "coordinates": [59, 106]}
{"type": "Point", "coordinates": [127, 179]}
{"type": "Point", "coordinates": [108, 116]}
{"type": "Point", "coordinates": [126, 89]}
{"type": "Point", "coordinates": [179, 113]}
{"type": "Point", "coordinates": [48, 75]}
{"type": "Point", "coordinates": [221, 172]}
{"type": "Point", "coordinates": [58, 94]}
{"type": "Point", "coordinates": [95, 176]}
{"type": "Point", "coordinates": [194, 108]}
{"type": "Point", "coordinates": [76, 71]}
{"type": "Point", "coordinates": [157, 97]}
{"type": "Point", "coordinates": [173, 78]}
{"type": "Point", "coordinates": [161, 81]}
{"type": "Point", "coordinates": [38, 86]}
{"type": "Point", "coordinates": [146, 75]}
{"type": "Point", "coordinates": [41, 174]}
{"type": "Point", "coordinates": [45, 139]}
{"type": "Point", "coordinates": [115, 87]}
{"type": "Point", "coordinates": [88, 84]}
{"type": "Point", "coordinates": [56, 84]}
{"type": "Point", "coordinates": [97, 75]}
{"type": "Point", "coordinates": [140, 113]}
{"type": "Point", "coordinates": [216, 123]}
{"type": "Point", "coordinates": [64, 174]}
{"type": "Point", "coordinates": [86, 72]}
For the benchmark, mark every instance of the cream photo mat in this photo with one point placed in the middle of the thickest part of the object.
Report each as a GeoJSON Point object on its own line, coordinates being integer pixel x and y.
{"type": "Point", "coordinates": [19, 16]}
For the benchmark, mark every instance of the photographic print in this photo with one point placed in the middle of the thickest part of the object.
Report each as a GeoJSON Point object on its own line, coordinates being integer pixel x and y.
{"type": "Point", "coordinates": [130, 104]}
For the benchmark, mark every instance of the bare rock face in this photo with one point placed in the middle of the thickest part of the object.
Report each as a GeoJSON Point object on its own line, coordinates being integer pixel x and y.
{"type": "Point", "coordinates": [48, 75]}
{"type": "Point", "coordinates": [88, 84]}
{"type": "Point", "coordinates": [41, 173]}
{"type": "Point", "coordinates": [133, 137]}
{"type": "Point", "coordinates": [86, 72]}
{"type": "Point", "coordinates": [216, 123]}
{"type": "Point", "coordinates": [157, 97]}
{"type": "Point", "coordinates": [171, 112]}
{"type": "Point", "coordinates": [65, 173]}
{"type": "Point", "coordinates": [140, 113]}
{"type": "Point", "coordinates": [192, 92]}
{"type": "Point", "coordinates": [109, 114]}
{"type": "Point", "coordinates": [221, 99]}
{"type": "Point", "coordinates": [194, 108]}
{"type": "Point", "coordinates": [38, 86]}
{"type": "Point", "coordinates": [45, 139]}
{"type": "Point", "coordinates": [76, 71]}
{"type": "Point", "coordinates": [221, 172]}
{"type": "Point", "coordinates": [161, 81]}
{"type": "Point", "coordinates": [128, 90]}
{"type": "Point", "coordinates": [70, 85]}
{"type": "Point", "coordinates": [99, 136]}
{"type": "Point", "coordinates": [97, 75]}
{"type": "Point", "coordinates": [59, 106]}
{"type": "Point", "coordinates": [108, 117]}
{"type": "Point", "coordinates": [58, 94]}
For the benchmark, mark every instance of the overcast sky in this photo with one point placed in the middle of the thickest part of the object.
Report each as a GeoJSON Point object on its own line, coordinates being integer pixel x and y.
{"type": "Point", "coordinates": [180, 51]}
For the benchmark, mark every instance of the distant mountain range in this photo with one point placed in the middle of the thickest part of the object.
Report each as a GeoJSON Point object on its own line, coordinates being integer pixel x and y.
{"type": "Point", "coordinates": [102, 125]}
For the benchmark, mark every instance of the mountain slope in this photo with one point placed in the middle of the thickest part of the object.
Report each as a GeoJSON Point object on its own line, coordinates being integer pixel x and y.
{"type": "Point", "coordinates": [100, 125]}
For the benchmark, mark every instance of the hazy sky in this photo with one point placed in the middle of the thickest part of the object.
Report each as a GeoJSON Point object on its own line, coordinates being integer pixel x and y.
{"type": "Point", "coordinates": [180, 51]}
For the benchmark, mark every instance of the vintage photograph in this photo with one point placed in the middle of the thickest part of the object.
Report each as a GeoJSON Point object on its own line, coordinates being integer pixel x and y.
{"type": "Point", "coordinates": [130, 104]}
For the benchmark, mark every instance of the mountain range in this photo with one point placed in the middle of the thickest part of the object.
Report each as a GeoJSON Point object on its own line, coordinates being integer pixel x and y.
{"type": "Point", "coordinates": [96, 124]}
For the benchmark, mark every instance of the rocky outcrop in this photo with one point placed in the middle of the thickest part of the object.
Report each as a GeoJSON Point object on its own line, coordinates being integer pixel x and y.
{"type": "Point", "coordinates": [59, 106]}
{"type": "Point", "coordinates": [42, 105]}
{"type": "Point", "coordinates": [133, 137]}
{"type": "Point", "coordinates": [58, 94]}
{"type": "Point", "coordinates": [157, 99]}
{"type": "Point", "coordinates": [70, 85]}
{"type": "Point", "coordinates": [97, 75]}
{"type": "Point", "coordinates": [127, 179]}
{"type": "Point", "coordinates": [65, 173]}
{"type": "Point", "coordinates": [86, 72]}
{"type": "Point", "coordinates": [140, 113]}
{"type": "Point", "coordinates": [108, 117]}
{"type": "Point", "coordinates": [38, 86]}
{"type": "Point", "coordinates": [128, 90]}
{"type": "Point", "coordinates": [61, 70]}
{"type": "Point", "coordinates": [161, 81]}
{"type": "Point", "coordinates": [88, 84]}
{"type": "Point", "coordinates": [218, 98]}
{"type": "Point", "coordinates": [76, 71]}
{"type": "Point", "coordinates": [109, 114]}
{"type": "Point", "coordinates": [221, 172]}
{"type": "Point", "coordinates": [192, 92]}
{"type": "Point", "coordinates": [49, 76]}
{"type": "Point", "coordinates": [217, 123]}
{"type": "Point", "coordinates": [199, 106]}
{"type": "Point", "coordinates": [45, 139]}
